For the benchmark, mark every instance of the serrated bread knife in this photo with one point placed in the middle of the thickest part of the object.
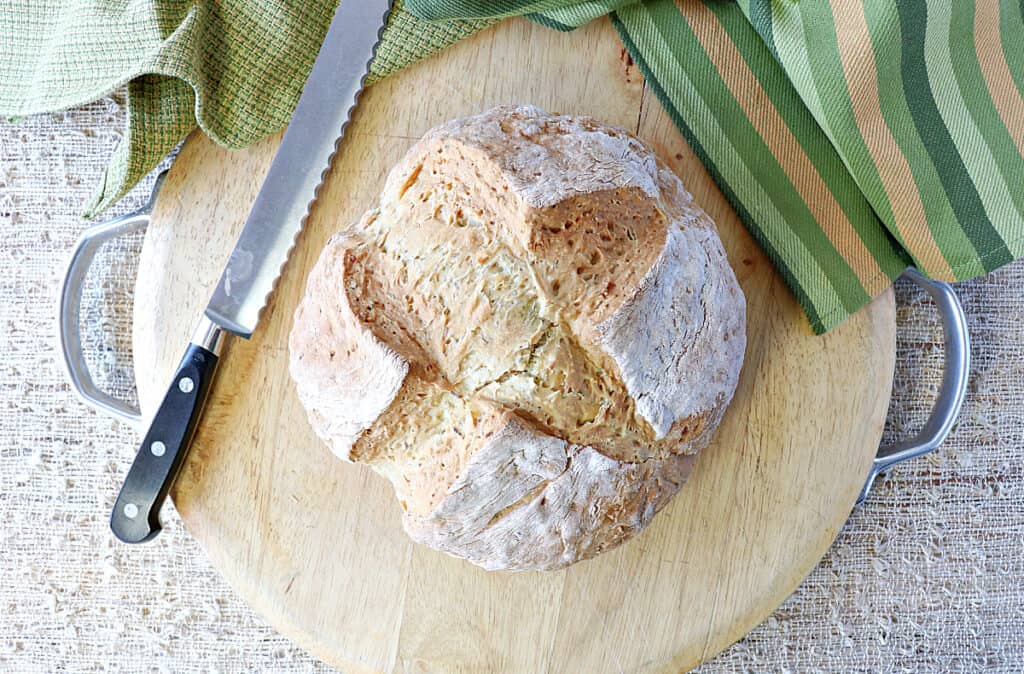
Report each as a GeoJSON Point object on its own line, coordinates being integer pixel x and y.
{"type": "Point", "coordinates": [277, 216]}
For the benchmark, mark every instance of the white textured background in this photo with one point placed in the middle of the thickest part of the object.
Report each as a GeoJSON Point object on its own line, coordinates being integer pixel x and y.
{"type": "Point", "coordinates": [927, 576]}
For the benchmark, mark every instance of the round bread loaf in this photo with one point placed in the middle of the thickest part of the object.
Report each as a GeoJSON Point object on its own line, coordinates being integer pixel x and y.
{"type": "Point", "coordinates": [531, 336]}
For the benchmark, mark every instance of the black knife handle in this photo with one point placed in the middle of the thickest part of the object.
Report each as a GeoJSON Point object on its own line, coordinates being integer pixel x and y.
{"type": "Point", "coordinates": [136, 514]}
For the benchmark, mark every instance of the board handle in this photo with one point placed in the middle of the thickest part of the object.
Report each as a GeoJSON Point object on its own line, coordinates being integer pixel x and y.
{"type": "Point", "coordinates": [957, 344]}
{"type": "Point", "coordinates": [69, 308]}
{"type": "Point", "coordinates": [936, 429]}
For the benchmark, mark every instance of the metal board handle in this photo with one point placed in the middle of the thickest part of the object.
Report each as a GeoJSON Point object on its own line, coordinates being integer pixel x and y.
{"type": "Point", "coordinates": [957, 346]}
{"type": "Point", "coordinates": [69, 309]}
{"type": "Point", "coordinates": [936, 429]}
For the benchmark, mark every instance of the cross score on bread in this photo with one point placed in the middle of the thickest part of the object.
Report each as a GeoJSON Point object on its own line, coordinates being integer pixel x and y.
{"type": "Point", "coordinates": [531, 336]}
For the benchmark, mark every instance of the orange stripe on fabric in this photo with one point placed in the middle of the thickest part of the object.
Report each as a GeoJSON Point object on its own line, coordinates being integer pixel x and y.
{"type": "Point", "coordinates": [858, 57]}
{"type": "Point", "coordinates": [988, 43]}
{"type": "Point", "coordinates": [772, 128]}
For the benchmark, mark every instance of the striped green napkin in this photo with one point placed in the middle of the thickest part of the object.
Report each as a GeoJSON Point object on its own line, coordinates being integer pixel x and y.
{"type": "Point", "coordinates": [853, 138]}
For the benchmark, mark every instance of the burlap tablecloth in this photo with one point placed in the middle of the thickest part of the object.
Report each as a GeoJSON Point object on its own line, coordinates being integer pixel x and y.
{"type": "Point", "coordinates": [927, 576]}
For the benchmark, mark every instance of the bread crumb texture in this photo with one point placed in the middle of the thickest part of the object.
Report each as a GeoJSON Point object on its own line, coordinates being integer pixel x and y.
{"type": "Point", "coordinates": [530, 336]}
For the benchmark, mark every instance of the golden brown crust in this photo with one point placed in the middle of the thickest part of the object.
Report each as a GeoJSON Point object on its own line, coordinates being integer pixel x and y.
{"type": "Point", "coordinates": [569, 328]}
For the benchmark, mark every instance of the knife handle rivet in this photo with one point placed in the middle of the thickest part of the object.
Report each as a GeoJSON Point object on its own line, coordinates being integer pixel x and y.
{"type": "Point", "coordinates": [186, 384]}
{"type": "Point", "coordinates": [131, 511]}
{"type": "Point", "coordinates": [158, 448]}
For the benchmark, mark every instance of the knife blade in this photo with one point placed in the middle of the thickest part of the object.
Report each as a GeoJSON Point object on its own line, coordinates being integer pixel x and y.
{"type": "Point", "coordinates": [261, 251]}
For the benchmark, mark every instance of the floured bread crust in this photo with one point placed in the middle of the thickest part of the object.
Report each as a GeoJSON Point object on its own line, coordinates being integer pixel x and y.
{"type": "Point", "coordinates": [531, 337]}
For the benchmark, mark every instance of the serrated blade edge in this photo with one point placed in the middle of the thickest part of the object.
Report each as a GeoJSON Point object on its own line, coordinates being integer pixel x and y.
{"type": "Point", "coordinates": [300, 165]}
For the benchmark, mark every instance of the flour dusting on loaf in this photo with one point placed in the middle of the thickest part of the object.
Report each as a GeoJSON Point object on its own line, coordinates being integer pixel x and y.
{"type": "Point", "coordinates": [531, 336]}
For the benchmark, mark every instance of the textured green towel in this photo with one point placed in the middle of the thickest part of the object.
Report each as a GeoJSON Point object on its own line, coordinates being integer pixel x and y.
{"type": "Point", "coordinates": [234, 67]}
{"type": "Point", "coordinates": [853, 138]}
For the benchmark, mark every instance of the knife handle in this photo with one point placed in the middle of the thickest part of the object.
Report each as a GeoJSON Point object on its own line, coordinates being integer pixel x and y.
{"type": "Point", "coordinates": [136, 514]}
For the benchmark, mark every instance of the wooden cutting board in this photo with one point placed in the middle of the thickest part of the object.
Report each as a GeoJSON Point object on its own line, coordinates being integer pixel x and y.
{"type": "Point", "coordinates": [316, 545]}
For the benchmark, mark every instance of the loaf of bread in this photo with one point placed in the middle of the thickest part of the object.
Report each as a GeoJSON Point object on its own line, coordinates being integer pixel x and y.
{"type": "Point", "coordinates": [531, 336]}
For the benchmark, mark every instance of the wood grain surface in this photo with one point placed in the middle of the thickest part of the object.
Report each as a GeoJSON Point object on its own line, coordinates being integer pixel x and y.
{"type": "Point", "coordinates": [316, 545]}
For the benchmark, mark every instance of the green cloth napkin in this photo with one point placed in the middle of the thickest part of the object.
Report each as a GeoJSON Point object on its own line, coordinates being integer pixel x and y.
{"type": "Point", "coordinates": [234, 67]}
{"type": "Point", "coordinates": [853, 138]}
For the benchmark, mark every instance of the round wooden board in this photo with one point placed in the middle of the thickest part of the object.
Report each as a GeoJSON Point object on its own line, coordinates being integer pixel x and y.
{"type": "Point", "coordinates": [316, 545]}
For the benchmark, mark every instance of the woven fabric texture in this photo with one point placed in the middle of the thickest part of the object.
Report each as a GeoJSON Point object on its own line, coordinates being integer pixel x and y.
{"type": "Point", "coordinates": [924, 578]}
